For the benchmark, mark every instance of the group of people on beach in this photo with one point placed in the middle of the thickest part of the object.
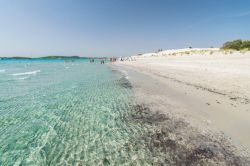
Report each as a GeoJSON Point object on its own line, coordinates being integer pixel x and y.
{"type": "Point", "coordinates": [112, 59]}
{"type": "Point", "coordinates": [102, 61]}
{"type": "Point", "coordinates": [93, 60]}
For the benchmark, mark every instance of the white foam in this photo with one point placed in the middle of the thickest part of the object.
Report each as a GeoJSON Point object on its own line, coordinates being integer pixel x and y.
{"type": "Point", "coordinates": [2, 70]}
{"type": "Point", "coordinates": [23, 78]}
{"type": "Point", "coordinates": [26, 73]}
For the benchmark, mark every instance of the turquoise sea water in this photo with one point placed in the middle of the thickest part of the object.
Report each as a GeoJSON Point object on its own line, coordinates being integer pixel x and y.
{"type": "Point", "coordinates": [57, 113]}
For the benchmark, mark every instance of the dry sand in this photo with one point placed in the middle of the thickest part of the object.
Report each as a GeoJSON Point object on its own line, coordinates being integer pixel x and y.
{"type": "Point", "coordinates": [210, 92]}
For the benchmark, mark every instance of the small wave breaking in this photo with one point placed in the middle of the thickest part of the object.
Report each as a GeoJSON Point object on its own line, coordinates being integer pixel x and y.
{"type": "Point", "coordinates": [27, 73]}
{"type": "Point", "coordinates": [23, 78]}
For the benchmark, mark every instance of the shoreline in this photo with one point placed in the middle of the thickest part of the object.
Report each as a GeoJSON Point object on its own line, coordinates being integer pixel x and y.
{"type": "Point", "coordinates": [208, 115]}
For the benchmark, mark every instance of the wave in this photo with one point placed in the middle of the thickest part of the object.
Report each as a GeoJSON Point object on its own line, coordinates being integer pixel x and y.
{"type": "Point", "coordinates": [26, 73]}
{"type": "Point", "coordinates": [23, 78]}
{"type": "Point", "coordinates": [2, 70]}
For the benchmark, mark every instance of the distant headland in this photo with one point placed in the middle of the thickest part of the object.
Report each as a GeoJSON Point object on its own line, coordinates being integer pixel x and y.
{"type": "Point", "coordinates": [51, 58]}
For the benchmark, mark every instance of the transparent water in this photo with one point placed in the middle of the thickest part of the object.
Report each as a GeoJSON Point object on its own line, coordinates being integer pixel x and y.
{"type": "Point", "coordinates": [57, 113]}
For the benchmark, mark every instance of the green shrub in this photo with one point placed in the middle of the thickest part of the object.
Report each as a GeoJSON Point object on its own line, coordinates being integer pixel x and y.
{"type": "Point", "coordinates": [236, 45]}
{"type": "Point", "coordinates": [245, 45]}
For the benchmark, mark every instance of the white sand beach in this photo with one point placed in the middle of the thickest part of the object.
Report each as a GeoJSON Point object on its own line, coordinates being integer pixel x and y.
{"type": "Point", "coordinates": [208, 88]}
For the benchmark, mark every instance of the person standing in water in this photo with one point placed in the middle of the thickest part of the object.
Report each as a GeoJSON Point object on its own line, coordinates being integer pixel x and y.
{"type": "Point", "coordinates": [102, 61]}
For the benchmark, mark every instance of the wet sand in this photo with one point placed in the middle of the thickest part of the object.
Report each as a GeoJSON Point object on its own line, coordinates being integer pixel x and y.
{"type": "Point", "coordinates": [207, 95]}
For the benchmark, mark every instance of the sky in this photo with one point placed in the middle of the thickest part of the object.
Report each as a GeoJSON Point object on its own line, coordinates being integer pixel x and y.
{"type": "Point", "coordinates": [118, 27]}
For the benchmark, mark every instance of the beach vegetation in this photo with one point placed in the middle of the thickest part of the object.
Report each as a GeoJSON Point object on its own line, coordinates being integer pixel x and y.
{"type": "Point", "coordinates": [245, 45]}
{"type": "Point", "coordinates": [244, 50]}
{"type": "Point", "coordinates": [236, 45]}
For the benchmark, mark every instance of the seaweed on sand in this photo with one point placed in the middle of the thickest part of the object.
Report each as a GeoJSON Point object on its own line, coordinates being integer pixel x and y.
{"type": "Point", "coordinates": [182, 144]}
{"type": "Point", "coordinates": [125, 83]}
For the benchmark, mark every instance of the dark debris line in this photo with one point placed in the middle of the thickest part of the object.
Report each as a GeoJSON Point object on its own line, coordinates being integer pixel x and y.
{"type": "Point", "coordinates": [181, 143]}
{"type": "Point", "coordinates": [125, 83]}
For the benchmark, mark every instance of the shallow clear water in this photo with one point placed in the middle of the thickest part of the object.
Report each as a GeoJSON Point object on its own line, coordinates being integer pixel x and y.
{"type": "Point", "coordinates": [57, 113]}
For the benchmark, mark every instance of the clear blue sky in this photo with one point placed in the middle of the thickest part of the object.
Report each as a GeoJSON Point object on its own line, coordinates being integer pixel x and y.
{"type": "Point", "coordinates": [118, 27]}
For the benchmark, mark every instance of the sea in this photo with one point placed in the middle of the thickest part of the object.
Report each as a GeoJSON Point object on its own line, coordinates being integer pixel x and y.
{"type": "Point", "coordinates": [54, 112]}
